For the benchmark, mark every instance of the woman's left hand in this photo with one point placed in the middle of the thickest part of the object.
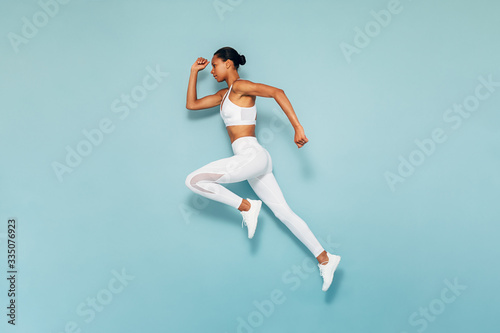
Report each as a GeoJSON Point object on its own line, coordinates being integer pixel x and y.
{"type": "Point", "coordinates": [300, 137]}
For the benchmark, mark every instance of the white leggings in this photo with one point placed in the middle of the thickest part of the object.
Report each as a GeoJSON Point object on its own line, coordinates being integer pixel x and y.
{"type": "Point", "coordinates": [250, 162]}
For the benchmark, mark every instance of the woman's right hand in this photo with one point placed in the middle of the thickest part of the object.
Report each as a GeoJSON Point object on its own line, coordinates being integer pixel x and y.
{"type": "Point", "coordinates": [200, 64]}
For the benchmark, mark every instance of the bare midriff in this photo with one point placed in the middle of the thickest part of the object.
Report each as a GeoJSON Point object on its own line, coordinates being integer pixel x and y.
{"type": "Point", "coordinates": [237, 131]}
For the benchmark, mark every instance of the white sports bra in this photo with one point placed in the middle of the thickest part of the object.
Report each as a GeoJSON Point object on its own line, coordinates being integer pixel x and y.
{"type": "Point", "coordinates": [233, 114]}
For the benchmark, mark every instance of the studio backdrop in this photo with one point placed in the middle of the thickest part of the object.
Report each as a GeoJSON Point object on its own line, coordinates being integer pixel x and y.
{"type": "Point", "coordinates": [400, 101]}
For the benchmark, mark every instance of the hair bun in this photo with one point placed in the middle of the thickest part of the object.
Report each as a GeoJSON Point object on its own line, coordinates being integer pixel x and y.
{"type": "Point", "coordinates": [242, 60]}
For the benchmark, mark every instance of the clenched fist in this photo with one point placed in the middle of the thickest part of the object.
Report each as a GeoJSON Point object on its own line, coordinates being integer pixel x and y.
{"type": "Point", "coordinates": [200, 64]}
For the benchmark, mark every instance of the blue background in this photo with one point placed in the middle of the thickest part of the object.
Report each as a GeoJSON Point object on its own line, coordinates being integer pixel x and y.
{"type": "Point", "coordinates": [190, 265]}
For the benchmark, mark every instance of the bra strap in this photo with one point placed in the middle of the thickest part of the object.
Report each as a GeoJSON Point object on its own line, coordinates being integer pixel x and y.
{"type": "Point", "coordinates": [232, 84]}
{"type": "Point", "coordinates": [227, 93]}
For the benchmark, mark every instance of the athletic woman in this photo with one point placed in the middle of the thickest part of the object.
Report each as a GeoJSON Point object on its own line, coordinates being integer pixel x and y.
{"type": "Point", "coordinates": [250, 161]}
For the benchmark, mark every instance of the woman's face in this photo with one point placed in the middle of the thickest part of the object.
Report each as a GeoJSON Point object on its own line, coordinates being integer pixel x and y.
{"type": "Point", "coordinates": [219, 70]}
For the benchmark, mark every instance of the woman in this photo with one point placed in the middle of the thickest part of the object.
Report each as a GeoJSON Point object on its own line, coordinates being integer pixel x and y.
{"type": "Point", "coordinates": [250, 161]}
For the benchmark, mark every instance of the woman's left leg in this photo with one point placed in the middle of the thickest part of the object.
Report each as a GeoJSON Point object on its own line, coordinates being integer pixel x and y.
{"type": "Point", "coordinates": [207, 180]}
{"type": "Point", "coordinates": [249, 161]}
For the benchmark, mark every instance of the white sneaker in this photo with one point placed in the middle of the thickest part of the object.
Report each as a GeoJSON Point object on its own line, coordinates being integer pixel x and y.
{"type": "Point", "coordinates": [250, 216]}
{"type": "Point", "coordinates": [327, 271]}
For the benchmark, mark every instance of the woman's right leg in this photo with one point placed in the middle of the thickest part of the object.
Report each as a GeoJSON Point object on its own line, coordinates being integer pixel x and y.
{"type": "Point", "coordinates": [266, 187]}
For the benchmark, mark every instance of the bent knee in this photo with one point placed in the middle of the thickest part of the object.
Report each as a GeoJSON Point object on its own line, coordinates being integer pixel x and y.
{"type": "Point", "coordinates": [195, 177]}
{"type": "Point", "coordinates": [189, 180]}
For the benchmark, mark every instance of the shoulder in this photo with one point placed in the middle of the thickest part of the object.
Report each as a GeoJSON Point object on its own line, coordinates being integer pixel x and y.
{"type": "Point", "coordinates": [243, 87]}
{"type": "Point", "coordinates": [222, 92]}
{"type": "Point", "coordinates": [249, 88]}
{"type": "Point", "coordinates": [240, 83]}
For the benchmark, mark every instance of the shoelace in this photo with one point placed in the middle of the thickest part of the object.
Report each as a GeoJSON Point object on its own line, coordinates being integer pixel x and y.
{"type": "Point", "coordinates": [322, 269]}
{"type": "Point", "coordinates": [243, 221]}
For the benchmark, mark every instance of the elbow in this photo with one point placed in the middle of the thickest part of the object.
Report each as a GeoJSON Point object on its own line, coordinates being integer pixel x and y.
{"type": "Point", "coordinates": [189, 106]}
{"type": "Point", "coordinates": [278, 93]}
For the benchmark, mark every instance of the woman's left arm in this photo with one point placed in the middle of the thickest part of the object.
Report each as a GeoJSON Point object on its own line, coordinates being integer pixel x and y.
{"type": "Point", "coordinates": [245, 87]}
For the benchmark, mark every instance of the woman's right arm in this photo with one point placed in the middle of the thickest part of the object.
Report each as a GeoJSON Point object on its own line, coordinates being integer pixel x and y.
{"type": "Point", "coordinates": [192, 102]}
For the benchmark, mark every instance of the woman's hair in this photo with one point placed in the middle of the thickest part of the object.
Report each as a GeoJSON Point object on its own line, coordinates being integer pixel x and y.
{"type": "Point", "coordinates": [227, 52]}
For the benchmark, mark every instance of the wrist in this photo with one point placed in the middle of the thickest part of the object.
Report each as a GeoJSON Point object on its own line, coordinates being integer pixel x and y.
{"type": "Point", "coordinates": [298, 127]}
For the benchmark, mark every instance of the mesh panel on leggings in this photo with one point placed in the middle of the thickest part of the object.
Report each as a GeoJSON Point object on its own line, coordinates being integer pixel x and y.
{"type": "Point", "coordinates": [204, 177]}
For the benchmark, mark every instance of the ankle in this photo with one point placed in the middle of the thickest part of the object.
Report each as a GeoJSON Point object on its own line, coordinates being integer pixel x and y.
{"type": "Point", "coordinates": [323, 258]}
{"type": "Point", "coordinates": [244, 206]}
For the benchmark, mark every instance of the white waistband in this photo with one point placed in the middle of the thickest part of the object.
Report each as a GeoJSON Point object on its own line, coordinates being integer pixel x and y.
{"type": "Point", "coordinates": [245, 142]}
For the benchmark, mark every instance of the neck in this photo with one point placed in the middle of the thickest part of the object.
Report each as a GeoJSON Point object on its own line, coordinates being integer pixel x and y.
{"type": "Point", "coordinates": [230, 80]}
